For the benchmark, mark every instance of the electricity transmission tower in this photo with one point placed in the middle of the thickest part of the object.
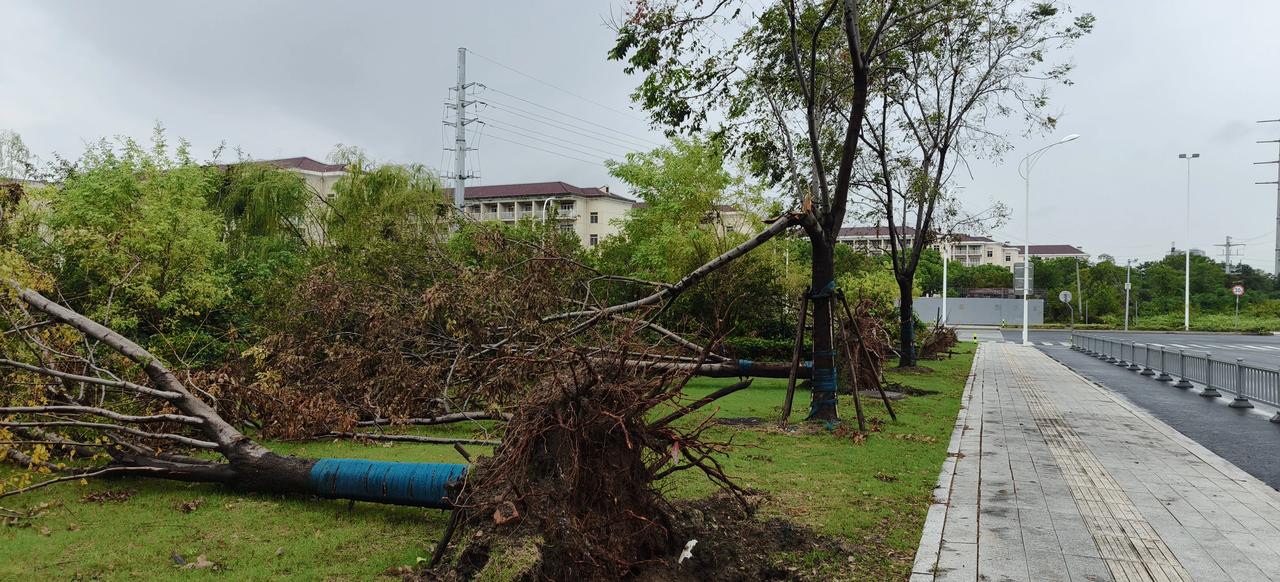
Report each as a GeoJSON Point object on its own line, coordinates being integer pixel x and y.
{"type": "Point", "coordinates": [459, 124]}
{"type": "Point", "coordinates": [1226, 253]}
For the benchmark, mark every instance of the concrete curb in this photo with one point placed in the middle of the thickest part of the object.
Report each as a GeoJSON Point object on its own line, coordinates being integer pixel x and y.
{"type": "Point", "coordinates": [926, 562]}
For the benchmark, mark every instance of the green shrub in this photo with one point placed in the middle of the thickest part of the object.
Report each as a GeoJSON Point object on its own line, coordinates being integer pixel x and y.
{"type": "Point", "coordinates": [764, 349]}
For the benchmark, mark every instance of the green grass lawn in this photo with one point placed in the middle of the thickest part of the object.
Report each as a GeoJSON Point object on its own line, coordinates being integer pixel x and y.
{"type": "Point", "coordinates": [874, 494]}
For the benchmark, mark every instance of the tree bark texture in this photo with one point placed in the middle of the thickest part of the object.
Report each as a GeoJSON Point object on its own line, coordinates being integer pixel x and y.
{"type": "Point", "coordinates": [822, 392]}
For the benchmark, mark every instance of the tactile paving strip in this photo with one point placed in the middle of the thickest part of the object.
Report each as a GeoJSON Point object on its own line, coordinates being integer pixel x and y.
{"type": "Point", "coordinates": [1128, 545]}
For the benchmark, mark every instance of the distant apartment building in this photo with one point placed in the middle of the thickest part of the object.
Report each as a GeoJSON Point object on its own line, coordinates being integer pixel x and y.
{"type": "Point", "coordinates": [319, 176]}
{"type": "Point", "coordinates": [1058, 252]}
{"type": "Point", "coordinates": [586, 212]}
{"type": "Point", "coordinates": [965, 249]}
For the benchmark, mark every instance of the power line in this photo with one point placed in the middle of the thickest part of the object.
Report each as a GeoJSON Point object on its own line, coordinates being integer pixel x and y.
{"type": "Point", "coordinates": [605, 140]}
{"type": "Point", "coordinates": [540, 118]}
{"type": "Point", "coordinates": [548, 142]}
{"type": "Point", "coordinates": [533, 147]}
{"type": "Point", "coordinates": [608, 128]}
{"type": "Point", "coordinates": [503, 124]}
{"type": "Point", "coordinates": [554, 86]}
{"type": "Point", "coordinates": [567, 127]}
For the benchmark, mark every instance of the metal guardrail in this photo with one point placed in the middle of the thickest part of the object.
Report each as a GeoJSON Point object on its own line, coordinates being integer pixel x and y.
{"type": "Point", "coordinates": [1245, 381]}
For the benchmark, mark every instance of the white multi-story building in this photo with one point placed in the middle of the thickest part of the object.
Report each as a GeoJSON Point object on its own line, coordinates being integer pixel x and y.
{"type": "Point", "coordinates": [586, 212]}
{"type": "Point", "coordinates": [965, 249]}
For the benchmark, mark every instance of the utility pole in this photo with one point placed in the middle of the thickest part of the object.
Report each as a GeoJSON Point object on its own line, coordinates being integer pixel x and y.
{"type": "Point", "coordinates": [944, 282]}
{"type": "Point", "coordinates": [1277, 183]}
{"type": "Point", "coordinates": [1186, 298]}
{"type": "Point", "coordinates": [460, 121]}
{"type": "Point", "coordinates": [1226, 252]}
{"type": "Point", "coordinates": [1128, 267]}
{"type": "Point", "coordinates": [1079, 294]}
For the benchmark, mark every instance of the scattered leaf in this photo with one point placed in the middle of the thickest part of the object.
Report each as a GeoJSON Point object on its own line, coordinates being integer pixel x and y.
{"type": "Point", "coordinates": [190, 506]}
{"type": "Point", "coordinates": [201, 563]}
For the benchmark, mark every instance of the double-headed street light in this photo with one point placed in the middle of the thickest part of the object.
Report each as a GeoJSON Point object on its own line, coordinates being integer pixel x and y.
{"type": "Point", "coordinates": [1024, 170]}
{"type": "Point", "coordinates": [1186, 296]}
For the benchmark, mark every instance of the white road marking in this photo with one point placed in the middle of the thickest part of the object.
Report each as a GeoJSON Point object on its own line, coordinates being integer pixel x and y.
{"type": "Point", "coordinates": [1179, 346]}
{"type": "Point", "coordinates": [1046, 343]}
{"type": "Point", "coordinates": [1067, 344]}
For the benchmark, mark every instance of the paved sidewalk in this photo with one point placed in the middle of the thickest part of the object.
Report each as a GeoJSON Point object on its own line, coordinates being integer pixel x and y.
{"type": "Point", "coordinates": [1051, 477]}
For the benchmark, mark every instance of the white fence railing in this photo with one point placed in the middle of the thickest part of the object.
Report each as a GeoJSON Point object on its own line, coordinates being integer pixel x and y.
{"type": "Point", "coordinates": [1246, 381]}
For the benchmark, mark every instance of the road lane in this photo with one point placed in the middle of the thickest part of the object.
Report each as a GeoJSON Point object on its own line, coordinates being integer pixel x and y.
{"type": "Point", "coordinates": [1263, 350]}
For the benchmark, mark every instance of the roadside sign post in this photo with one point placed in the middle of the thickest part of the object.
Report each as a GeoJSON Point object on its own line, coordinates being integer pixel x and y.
{"type": "Point", "coordinates": [1065, 297]}
{"type": "Point", "coordinates": [1237, 290]}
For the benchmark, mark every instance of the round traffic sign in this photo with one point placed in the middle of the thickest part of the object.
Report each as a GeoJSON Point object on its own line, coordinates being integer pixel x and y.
{"type": "Point", "coordinates": [1237, 290]}
{"type": "Point", "coordinates": [1065, 297]}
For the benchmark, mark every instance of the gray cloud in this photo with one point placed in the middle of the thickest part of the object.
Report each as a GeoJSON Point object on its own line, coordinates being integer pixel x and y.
{"type": "Point", "coordinates": [295, 78]}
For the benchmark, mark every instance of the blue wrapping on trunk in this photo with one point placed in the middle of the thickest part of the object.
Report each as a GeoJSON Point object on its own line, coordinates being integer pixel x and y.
{"type": "Point", "coordinates": [416, 484]}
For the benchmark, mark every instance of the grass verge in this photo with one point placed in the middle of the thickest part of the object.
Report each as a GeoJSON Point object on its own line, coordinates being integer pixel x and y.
{"type": "Point", "coordinates": [874, 493]}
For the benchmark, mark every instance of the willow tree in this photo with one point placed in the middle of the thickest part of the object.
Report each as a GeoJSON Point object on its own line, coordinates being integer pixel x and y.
{"type": "Point", "coordinates": [790, 92]}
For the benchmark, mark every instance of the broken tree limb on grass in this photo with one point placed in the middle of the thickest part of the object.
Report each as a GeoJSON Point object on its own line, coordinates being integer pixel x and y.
{"type": "Point", "coordinates": [409, 438]}
{"type": "Point", "coordinates": [729, 369]}
{"type": "Point", "coordinates": [699, 403]}
{"type": "Point", "coordinates": [442, 419]}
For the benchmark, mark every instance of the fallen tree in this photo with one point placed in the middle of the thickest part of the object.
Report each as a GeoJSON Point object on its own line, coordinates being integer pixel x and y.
{"type": "Point", "coordinates": [579, 461]}
{"type": "Point", "coordinates": [59, 411]}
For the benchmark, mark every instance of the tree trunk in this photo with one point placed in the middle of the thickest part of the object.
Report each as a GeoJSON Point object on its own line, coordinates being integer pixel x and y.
{"type": "Point", "coordinates": [906, 322]}
{"type": "Point", "coordinates": [822, 389]}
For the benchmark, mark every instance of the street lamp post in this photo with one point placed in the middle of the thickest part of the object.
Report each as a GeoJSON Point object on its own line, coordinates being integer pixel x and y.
{"type": "Point", "coordinates": [945, 254]}
{"type": "Point", "coordinates": [1024, 169]}
{"type": "Point", "coordinates": [1186, 296]}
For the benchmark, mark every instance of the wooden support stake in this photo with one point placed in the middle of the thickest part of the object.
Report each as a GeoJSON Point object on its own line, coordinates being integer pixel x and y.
{"type": "Point", "coordinates": [853, 371]}
{"type": "Point", "coordinates": [795, 357]}
{"type": "Point", "coordinates": [848, 313]}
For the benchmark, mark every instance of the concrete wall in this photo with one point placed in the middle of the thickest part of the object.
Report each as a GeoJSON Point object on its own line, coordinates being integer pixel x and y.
{"type": "Point", "coordinates": [979, 310]}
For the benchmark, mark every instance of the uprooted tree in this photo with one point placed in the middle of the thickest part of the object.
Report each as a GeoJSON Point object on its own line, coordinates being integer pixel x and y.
{"type": "Point", "coordinates": [580, 388]}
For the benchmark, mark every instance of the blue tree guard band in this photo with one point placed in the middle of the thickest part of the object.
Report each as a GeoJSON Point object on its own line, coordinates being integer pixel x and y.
{"type": "Point", "coordinates": [416, 484]}
{"type": "Point", "coordinates": [826, 291]}
{"type": "Point", "coordinates": [745, 365]}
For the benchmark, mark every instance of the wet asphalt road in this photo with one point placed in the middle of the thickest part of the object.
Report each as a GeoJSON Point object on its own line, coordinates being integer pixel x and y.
{"type": "Point", "coordinates": [1246, 437]}
{"type": "Point", "coordinates": [1253, 349]}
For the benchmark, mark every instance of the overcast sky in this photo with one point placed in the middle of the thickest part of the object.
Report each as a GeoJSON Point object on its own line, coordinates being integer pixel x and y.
{"type": "Point", "coordinates": [282, 79]}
